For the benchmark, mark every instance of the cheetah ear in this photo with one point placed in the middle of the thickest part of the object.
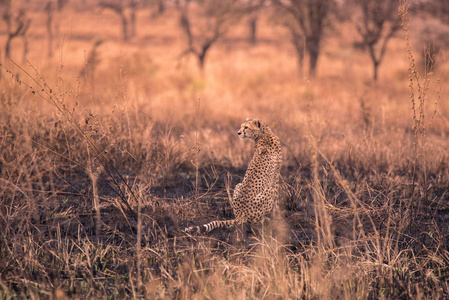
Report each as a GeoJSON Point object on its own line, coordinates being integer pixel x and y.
{"type": "Point", "coordinates": [247, 119]}
{"type": "Point", "coordinates": [257, 122]}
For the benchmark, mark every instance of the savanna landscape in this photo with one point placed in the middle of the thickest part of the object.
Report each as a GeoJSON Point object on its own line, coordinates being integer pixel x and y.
{"type": "Point", "coordinates": [114, 140]}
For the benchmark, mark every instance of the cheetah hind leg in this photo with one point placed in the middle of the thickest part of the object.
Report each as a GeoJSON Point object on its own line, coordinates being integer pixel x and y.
{"type": "Point", "coordinates": [271, 216]}
{"type": "Point", "coordinates": [267, 196]}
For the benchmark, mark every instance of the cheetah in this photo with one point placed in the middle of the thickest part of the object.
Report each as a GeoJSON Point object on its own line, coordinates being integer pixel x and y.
{"type": "Point", "coordinates": [257, 194]}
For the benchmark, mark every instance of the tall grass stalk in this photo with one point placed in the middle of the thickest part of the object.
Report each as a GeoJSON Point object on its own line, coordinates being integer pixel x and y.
{"type": "Point", "coordinates": [323, 221]}
{"type": "Point", "coordinates": [94, 178]}
{"type": "Point", "coordinates": [419, 93]}
{"type": "Point", "coordinates": [139, 243]}
{"type": "Point", "coordinates": [197, 149]}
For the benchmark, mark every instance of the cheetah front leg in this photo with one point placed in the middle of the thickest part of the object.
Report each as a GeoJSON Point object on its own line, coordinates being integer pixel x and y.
{"type": "Point", "coordinates": [237, 190]}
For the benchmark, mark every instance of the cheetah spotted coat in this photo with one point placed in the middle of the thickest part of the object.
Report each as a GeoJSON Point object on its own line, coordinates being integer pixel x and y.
{"type": "Point", "coordinates": [257, 194]}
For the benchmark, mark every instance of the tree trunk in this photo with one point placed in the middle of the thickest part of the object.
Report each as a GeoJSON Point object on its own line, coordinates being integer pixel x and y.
{"type": "Point", "coordinates": [253, 30]}
{"type": "Point", "coordinates": [124, 26]}
{"type": "Point", "coordinates": [313, 48]}
{"type": "Point", "coordinates": [313, 60]}
{"type": "Point", "coordinates": [8, 47]}
{"type": "Point", "coordinates": [375, 69]}
{"type": "Point", "coordinates": [161, 7]}
{"type": "Point", "coordinates": [298, 42]}
{"type": "Point", "coordinates": [202, 54]}
{"type": "Point", "coordinates": [376, 61]}
{"type": "Point", "coordinates": [133, 18]}
{"type": "Point", "coordinates": [25, 48]}
{"type": "Point", "coordinates": [133, 23]}
{"type": "Point", "coordinates": [202, 59]}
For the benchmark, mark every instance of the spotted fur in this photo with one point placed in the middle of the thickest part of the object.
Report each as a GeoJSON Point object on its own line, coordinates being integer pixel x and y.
{"type": "Point", "coordinates": [257, 194]}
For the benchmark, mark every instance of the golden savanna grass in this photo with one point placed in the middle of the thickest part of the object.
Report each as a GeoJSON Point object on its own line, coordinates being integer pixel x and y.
{"type": "Point", "coordinates": [101, 170]}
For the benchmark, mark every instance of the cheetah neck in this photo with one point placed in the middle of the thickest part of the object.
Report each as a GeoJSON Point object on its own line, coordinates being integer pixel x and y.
{"type": "Point", "coordinates": [262, 140]}
{"type": "Point", "coordinates": [264, 135]}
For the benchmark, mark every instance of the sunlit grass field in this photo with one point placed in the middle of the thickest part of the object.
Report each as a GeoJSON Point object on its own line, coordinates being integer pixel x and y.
{"type": "Point", "coordinates": [102, 165]}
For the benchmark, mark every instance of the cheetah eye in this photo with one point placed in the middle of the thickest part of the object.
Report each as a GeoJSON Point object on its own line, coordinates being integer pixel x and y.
{"type": "Point", "coordinates": [246, 127]}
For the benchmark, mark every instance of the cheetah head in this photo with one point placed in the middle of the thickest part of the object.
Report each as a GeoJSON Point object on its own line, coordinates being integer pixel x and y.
{"type": "Point", "coordinates": [250, 129]}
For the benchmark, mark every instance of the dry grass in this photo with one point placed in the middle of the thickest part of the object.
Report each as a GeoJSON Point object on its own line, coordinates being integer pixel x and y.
{"type": "Point", "coordinates": [99, 174]}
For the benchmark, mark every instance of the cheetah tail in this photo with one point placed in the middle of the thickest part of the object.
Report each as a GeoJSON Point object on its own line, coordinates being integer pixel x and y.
{"type": "Point", "coordinates": [210, 226]}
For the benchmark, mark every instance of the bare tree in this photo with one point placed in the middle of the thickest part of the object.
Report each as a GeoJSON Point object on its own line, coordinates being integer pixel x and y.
{"type": "Point", "coordinates": [204, 22]}
{"type": "Point", "coordinates": [119, 7]}
{"type": "Point", "coordinates": [379, 22]}
{"type": "Point", "coordinates": [160, 7]}
{"type": "Point", "coordinates": [16, 26]}
{"type": "Point", "coordinates": [305, 20]}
